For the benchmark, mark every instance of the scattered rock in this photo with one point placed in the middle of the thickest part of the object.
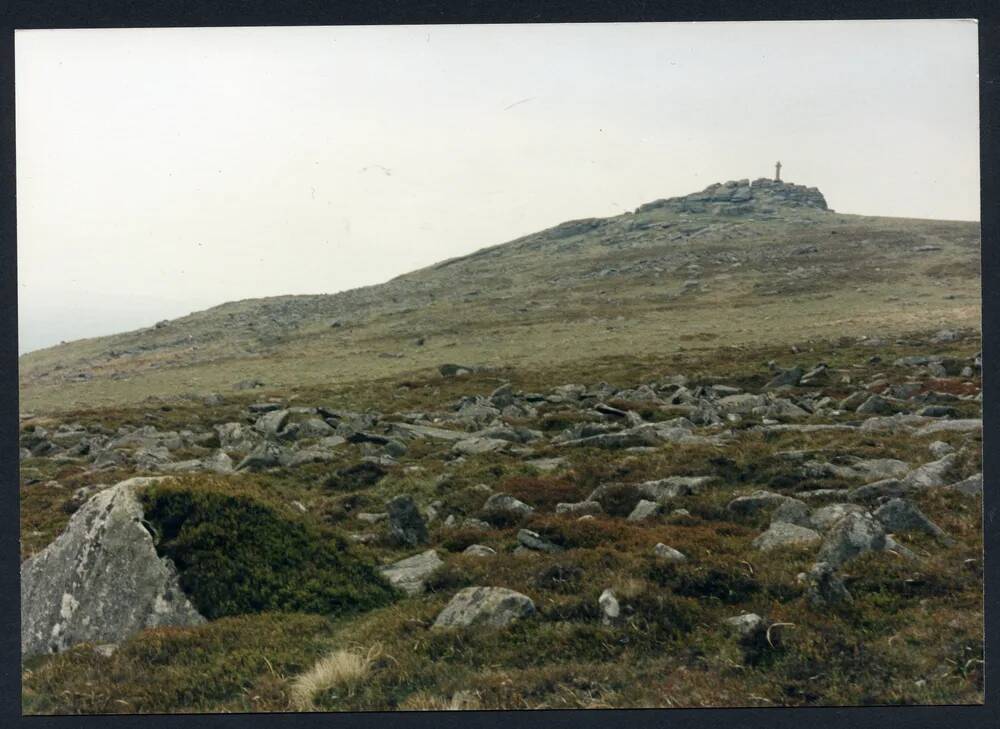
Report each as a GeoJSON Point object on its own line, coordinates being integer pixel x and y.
{"type": "Point", "coordinates": [756, 502]}
{"type": "Point", "coordinates": [579, 508]}
{"type": "Point", "coordinates": [745, 625]}
{"type": "Point", "coordinates": [406, 525]}
{"type": "Point", "coordinates": [973, 485]}
{"type": "Point", "coordinates": [644, 510]}
{"type": "Point", "coordinates": [535, 542]}
{"type": "Point", "coordinates": [784, 534]}
{"type": "Point", "coordinates": [266, 455]}
{"type": "Point", "coordinates": [933, 474]}
{"type": "Point", "coordinates": [668, 554]}
{"type": "Point", "coordinates": [902, 515]}
{"type": "Point", "coordinates": [853, 535]}
{"type": "Point", "coordinates": [826, 587]}
{"type": "Point", "coordinates": [410, 574]}
{"type": "Point", "coordinates": [876, 405]}
{"type": "Point", "coordinates": [793, 511]}
{"type": "Point", "coordinates": [485, 606]}
{"type": "Point", "coordinates": [506, 506]}
{"type": "Point", "coordinates": [610, 609]}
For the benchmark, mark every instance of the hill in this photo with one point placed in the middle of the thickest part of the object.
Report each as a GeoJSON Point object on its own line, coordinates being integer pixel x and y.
{"type": "Point", "coordinates": [736, 264]}
{"type": "Point", "coordinates": [725, 450]}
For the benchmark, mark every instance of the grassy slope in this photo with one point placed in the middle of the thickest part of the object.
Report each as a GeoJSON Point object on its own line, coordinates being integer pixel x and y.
{"type": "Point", "coordinates": [547, 301]}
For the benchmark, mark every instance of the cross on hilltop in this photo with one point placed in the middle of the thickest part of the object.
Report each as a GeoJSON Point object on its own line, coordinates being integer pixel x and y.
{"type": "Point", "coordinates": [777, 171]}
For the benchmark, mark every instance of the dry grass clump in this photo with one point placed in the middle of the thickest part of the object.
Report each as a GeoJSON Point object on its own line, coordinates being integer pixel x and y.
{"type": "Point", "coordinates": [341, 668]}
{"type": "Point", "coordinates": [423, 701]}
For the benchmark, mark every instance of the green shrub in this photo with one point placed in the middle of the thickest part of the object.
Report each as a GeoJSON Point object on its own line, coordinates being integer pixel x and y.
{"type": "Point", "coordinates": [238, 555]}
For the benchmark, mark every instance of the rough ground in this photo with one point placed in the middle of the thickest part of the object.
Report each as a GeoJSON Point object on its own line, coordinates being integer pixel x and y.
{"type": "Point", "coordinates": [762, 489]}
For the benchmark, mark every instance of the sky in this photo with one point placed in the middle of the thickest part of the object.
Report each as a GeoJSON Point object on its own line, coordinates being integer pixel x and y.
{"type": "Point", "coordinates": [165, 171]}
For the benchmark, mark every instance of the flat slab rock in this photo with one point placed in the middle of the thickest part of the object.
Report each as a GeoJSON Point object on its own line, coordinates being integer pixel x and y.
{"type": "Point", "coordinates": [485, 606]}
{"type": "Point", "coordinates": [101, 580]}
{"type": "Point", "coordinates": [784, 534]}
{"type": "Point", "coordinates": [410, 574]}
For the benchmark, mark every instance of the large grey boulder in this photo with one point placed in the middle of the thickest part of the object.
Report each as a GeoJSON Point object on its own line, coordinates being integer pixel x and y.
{"type": "Point", "coordinates": [266, 455]}
{"type": "Point", "coordinates": [824, 517]}
{"type": "Point", "coordinates": [270, 424]}
{"type": "Point", "coordinates": [506, 506]}
{"type": "Point", "coordinates": [756, 502]}
{"type": "Point", "coordinates": [100, 580]}
{"type": "Point", "coordinates": [644, 510]}
{"type": "Point", "coordinates": [536, 542]}
{"type": "Point", "coordinates": [972, 486]}
{"type": "Point", "coordinates": [794, 512]}
{"type": "Point", "coordinates": [852, 536]}
{"type": "Point", "coordinates": [783, 534]}
{"type": "Point", "coordinates": [876, 405]}
{"type": "Point", "coordinates": [406, 524]}
{"type": "Point", "coordinates": [668, 554]}
{"type": "Point", "coordinates": [902, 515]}
{"type": "Point", "coordinates": [410, 574]}
{"type": "Point", "coordinates": [485, 606]}
{"type": "Point", "coordinates": [933, 474]}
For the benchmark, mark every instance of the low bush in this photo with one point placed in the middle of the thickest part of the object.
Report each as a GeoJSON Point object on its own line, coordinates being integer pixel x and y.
{"type": "Point", "coordinates": [237, 555]}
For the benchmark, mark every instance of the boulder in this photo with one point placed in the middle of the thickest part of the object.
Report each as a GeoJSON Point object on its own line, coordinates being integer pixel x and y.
{"type": "Point", "coordinates": [476, 446]}
{"type": "Point", "coordinates": [668, 554]}
{"type": "Point", "coordinates": [406, 524]}
{"type": "Point", "coordinates": [852, 536]}
{"type": "Point", "coordinates": [825, 587]}
{"type": "Point", "coordinates": [970, 425]}
{"type": "Point", "coordinates": [479, 550]}
{"type": "Point", "coordinates": [826, 516]}
{"type": "Point", "coordinates": [535, 542]}
{"type": "Point", "coordinates": [876, 405]}
{"type": "Point", "coordinates": [410, 574]}
{"type": "Point", "coordinates": [644, 510]}
{"type": "Point", "coordinates": [100, 580]}
{"type": "Point", "coordinates": [745, 625]}
{"type": "Point", "coordinates": [794, 512]}
{"type": "Point", "coordinates": [785, 378]}
{"type": "Point", "coordinates": [902, 515]}
{"type": "Point", "coordinates": [971, 486]}
{"type": "Point", "coordinates": [579, 508]}
{"type": "Point", "coordinates": [939, 449]}
{"type": "Point", "coordinates": [266, 455]}
{"type": "Point", "coordinates": [506, 506]}
{"type": "Point", "coordinates": [933, 474]}
{"type": "Point", "coordinates": [784, 534]}
{"type": "Point", "coordinates": [485, 606]}
{"type": "Point", "coordinates": [756, 502]}
{"type": "Point", "coordinates": [886, 487]}
{"type": "Point", "coordinates": [270, 424]}
{"type": "Point", "coordinates": [610, 609]}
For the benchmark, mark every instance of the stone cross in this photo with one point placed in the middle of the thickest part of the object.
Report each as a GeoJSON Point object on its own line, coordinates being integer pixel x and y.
{"type": "Point", "coordinates": [777, 171]}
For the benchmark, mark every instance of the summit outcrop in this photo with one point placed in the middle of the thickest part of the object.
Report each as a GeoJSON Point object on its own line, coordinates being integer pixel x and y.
{"type": "Point", "coordinates": [739, 197]}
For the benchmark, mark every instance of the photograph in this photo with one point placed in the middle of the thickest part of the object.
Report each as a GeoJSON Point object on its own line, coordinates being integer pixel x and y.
{"type": "Point", "coordinates": [499, 367]}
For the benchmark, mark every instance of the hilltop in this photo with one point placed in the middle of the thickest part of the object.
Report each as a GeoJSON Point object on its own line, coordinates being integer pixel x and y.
{"type": "Point", "coordinates": [736, 264]}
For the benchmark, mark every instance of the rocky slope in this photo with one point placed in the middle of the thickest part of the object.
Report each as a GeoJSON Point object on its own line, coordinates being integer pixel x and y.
{"type": "Point", "coordinates": [738, 263]}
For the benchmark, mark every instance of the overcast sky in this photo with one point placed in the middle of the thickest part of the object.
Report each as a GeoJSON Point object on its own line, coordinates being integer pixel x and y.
{"type": "Point", "coordinates": [164, 171]}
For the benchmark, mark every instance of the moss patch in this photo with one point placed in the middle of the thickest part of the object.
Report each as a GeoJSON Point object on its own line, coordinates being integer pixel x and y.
{"type": "Point", "coordinates": [237, 554]}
